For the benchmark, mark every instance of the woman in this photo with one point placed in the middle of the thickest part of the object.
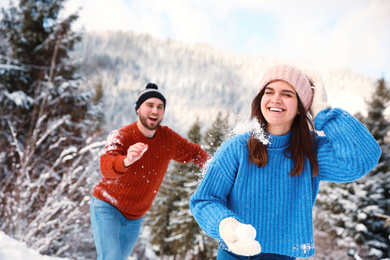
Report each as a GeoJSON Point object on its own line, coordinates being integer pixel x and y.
{"type": "Point", "coordinates": [257, 197]}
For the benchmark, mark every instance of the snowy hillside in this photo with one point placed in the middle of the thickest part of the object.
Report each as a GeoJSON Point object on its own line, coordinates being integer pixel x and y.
{"type": "Point", "coordinates": [198, 81]}
{"type": "Point", "coordinates": [11, 249]}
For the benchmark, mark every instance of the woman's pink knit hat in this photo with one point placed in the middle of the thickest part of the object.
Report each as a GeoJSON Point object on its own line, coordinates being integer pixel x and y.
{"type": "Point", "coordinates": [295, 77]}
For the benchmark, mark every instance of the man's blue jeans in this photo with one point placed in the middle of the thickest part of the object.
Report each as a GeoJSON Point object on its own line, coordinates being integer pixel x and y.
{"type": "Point", "coordinates": [115, 236]}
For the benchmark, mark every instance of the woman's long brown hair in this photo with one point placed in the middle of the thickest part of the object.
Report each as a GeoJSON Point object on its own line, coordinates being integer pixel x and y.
{"type": "Point", "coordinates": [302, 144]}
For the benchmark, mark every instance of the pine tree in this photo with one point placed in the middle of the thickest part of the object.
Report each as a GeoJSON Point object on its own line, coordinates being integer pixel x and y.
{"type": "Point", "coordinates": [377, 123]}
{"type": "Point", "coordinates": [158, 219]}
{"type": "Point", "coordinates": [218, 132]}
{"type": "Point", "coordinates": [188, 238]}
{"type": "Point", "coordinates": [48, 123]}
{"type": "Point", "coordinates": [350, 211]}
{"type": "Point", "coordinates": [180, 232]}
{"type": "Point", "coordinates": [193, 240]}
{"type": "Point", "coordinates": [377, 183]}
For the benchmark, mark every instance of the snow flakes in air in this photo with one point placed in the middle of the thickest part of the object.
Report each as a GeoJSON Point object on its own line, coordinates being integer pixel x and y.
{"type": "Point", "coordinates": [254, 127]}
{"type": "Point", "coordinates": [204, 168]}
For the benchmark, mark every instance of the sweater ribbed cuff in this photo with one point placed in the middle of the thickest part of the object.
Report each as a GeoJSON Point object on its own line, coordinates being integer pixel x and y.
{"type": "Point", "coordinates": [119, 166]}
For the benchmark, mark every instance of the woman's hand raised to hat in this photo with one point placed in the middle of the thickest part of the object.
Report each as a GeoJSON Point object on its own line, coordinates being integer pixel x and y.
{"type": "Point", "coordinates": [134, 153]}
{"type": "Point", "coordinates": [320, 100]}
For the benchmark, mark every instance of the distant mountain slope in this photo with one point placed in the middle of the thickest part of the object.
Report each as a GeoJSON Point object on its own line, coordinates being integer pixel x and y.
{"type": "Point", "coordinates": [197, 80]}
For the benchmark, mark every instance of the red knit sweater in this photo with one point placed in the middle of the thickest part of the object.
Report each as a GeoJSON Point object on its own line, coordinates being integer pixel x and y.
{"type": "Point", "coordinates": [132, 190]}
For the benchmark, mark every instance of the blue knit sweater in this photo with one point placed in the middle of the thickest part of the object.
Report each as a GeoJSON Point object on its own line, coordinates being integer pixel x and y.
{"type": "Point", "coordinates": [277, 205]}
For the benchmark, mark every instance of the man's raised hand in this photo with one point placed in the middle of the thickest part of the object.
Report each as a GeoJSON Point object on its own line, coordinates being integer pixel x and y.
{"type": "Point", "coordinates": [134, 153]}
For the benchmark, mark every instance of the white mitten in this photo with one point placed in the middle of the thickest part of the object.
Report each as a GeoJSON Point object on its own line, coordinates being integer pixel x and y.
{"type": "Point", "coordinates": [320, 100]}
{"type": "Point", "coordinates": [240, 238]}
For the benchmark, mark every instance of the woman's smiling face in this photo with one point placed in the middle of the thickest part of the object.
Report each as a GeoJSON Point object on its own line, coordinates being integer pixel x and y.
{"type": "Point", "coordinates": [279, 106]}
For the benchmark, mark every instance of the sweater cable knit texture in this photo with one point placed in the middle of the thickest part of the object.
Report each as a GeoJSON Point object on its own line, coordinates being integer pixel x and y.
{"type": "Point", "coordinates": [278, 206]}
{"type": "Point", "coordinates": [132, 190]}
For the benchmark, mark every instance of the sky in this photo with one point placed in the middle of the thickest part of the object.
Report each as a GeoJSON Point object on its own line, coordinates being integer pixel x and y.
{"type": "Point", "coordinates": [334, 33]}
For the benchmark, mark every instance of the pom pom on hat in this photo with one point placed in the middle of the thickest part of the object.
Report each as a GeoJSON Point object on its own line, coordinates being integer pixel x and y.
{"type": "Point", "coordinates": [151, 91]}
{"type": "Point", "coordinates": [295, 77]}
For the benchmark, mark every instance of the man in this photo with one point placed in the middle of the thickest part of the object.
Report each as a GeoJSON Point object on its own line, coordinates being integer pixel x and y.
{"type": "Point", "coordinates": [133, 166]}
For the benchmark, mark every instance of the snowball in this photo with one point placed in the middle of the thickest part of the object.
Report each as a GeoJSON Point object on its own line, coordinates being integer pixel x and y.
{"type": "Point", "coordinates": [245, 232]}
{"type": "Point", "coordinates": [254, 127]}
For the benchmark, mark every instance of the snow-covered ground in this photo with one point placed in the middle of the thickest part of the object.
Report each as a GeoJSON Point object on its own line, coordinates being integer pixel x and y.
{"type": "Point", "coordinates": [11, 249]}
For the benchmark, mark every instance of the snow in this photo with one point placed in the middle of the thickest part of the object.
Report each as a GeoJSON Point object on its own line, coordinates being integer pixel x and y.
{"type": "Point", "coordinates": [110, 198]}
{"type": "Point", "coordinates": [362, 216]}
{"type": "Point", "coordinates": [254, 127]}
{"type": "Point", "coordinates": [10, 249]}
{"type": "Point", "coordinates": [53, 126]}
{"type": "Point", "coordinates": [20, 98]}
{"type": "Point", "coordinates": [194, 79]}
{"type": "Point", "coordinates": [10, 67]}
{"type": "Point", "coordinates": [245, 232]}
{"type": "Point", "coordinates": [96, 145]}
{"type": "Point", "coordinates": [361, 228]}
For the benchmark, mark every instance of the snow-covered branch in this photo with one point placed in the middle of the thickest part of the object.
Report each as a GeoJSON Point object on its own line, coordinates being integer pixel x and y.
{"type": "Point", "coordinates": [10, 67]}
{"type": "Point", "coordinates": [52, 128]}
{"type": "Point", "coordinates": [15, 140]}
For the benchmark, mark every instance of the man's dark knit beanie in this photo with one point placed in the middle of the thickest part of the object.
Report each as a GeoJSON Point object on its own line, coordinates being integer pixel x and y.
{"type": "Point", "coordinates": [151, 91]}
